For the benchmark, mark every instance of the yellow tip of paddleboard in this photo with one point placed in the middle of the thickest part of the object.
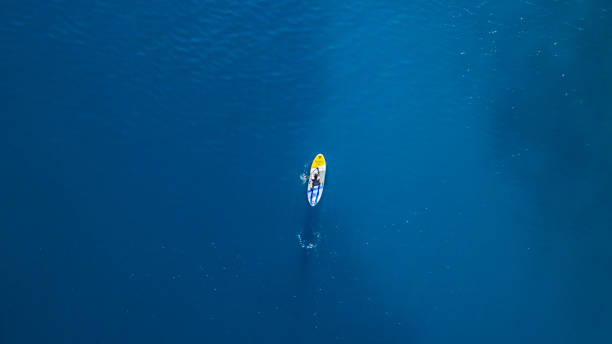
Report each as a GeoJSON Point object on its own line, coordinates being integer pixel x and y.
{"type": "Point", "coordinates": [318, 161]}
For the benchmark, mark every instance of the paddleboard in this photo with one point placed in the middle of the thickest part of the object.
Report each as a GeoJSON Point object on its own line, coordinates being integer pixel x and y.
{"type": "Point", "coordinates": [316, 180]}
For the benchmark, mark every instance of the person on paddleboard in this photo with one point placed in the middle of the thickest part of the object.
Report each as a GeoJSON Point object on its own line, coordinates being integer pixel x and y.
{"type": "Point", "coordinates": [315, 178]}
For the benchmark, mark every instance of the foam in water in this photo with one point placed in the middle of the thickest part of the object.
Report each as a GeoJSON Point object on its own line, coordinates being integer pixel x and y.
{"type": "Point", "coordinates": [304, 177]}
{"type": "Point", "coordinates": [309, 245]}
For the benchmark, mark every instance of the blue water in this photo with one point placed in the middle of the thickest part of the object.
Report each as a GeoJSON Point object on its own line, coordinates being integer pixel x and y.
{"type": "Point", "coordinates": [151, 154]}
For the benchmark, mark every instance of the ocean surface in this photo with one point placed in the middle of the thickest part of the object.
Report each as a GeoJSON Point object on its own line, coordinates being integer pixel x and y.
{"type": "Point", "coordinates": [152, 155]}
